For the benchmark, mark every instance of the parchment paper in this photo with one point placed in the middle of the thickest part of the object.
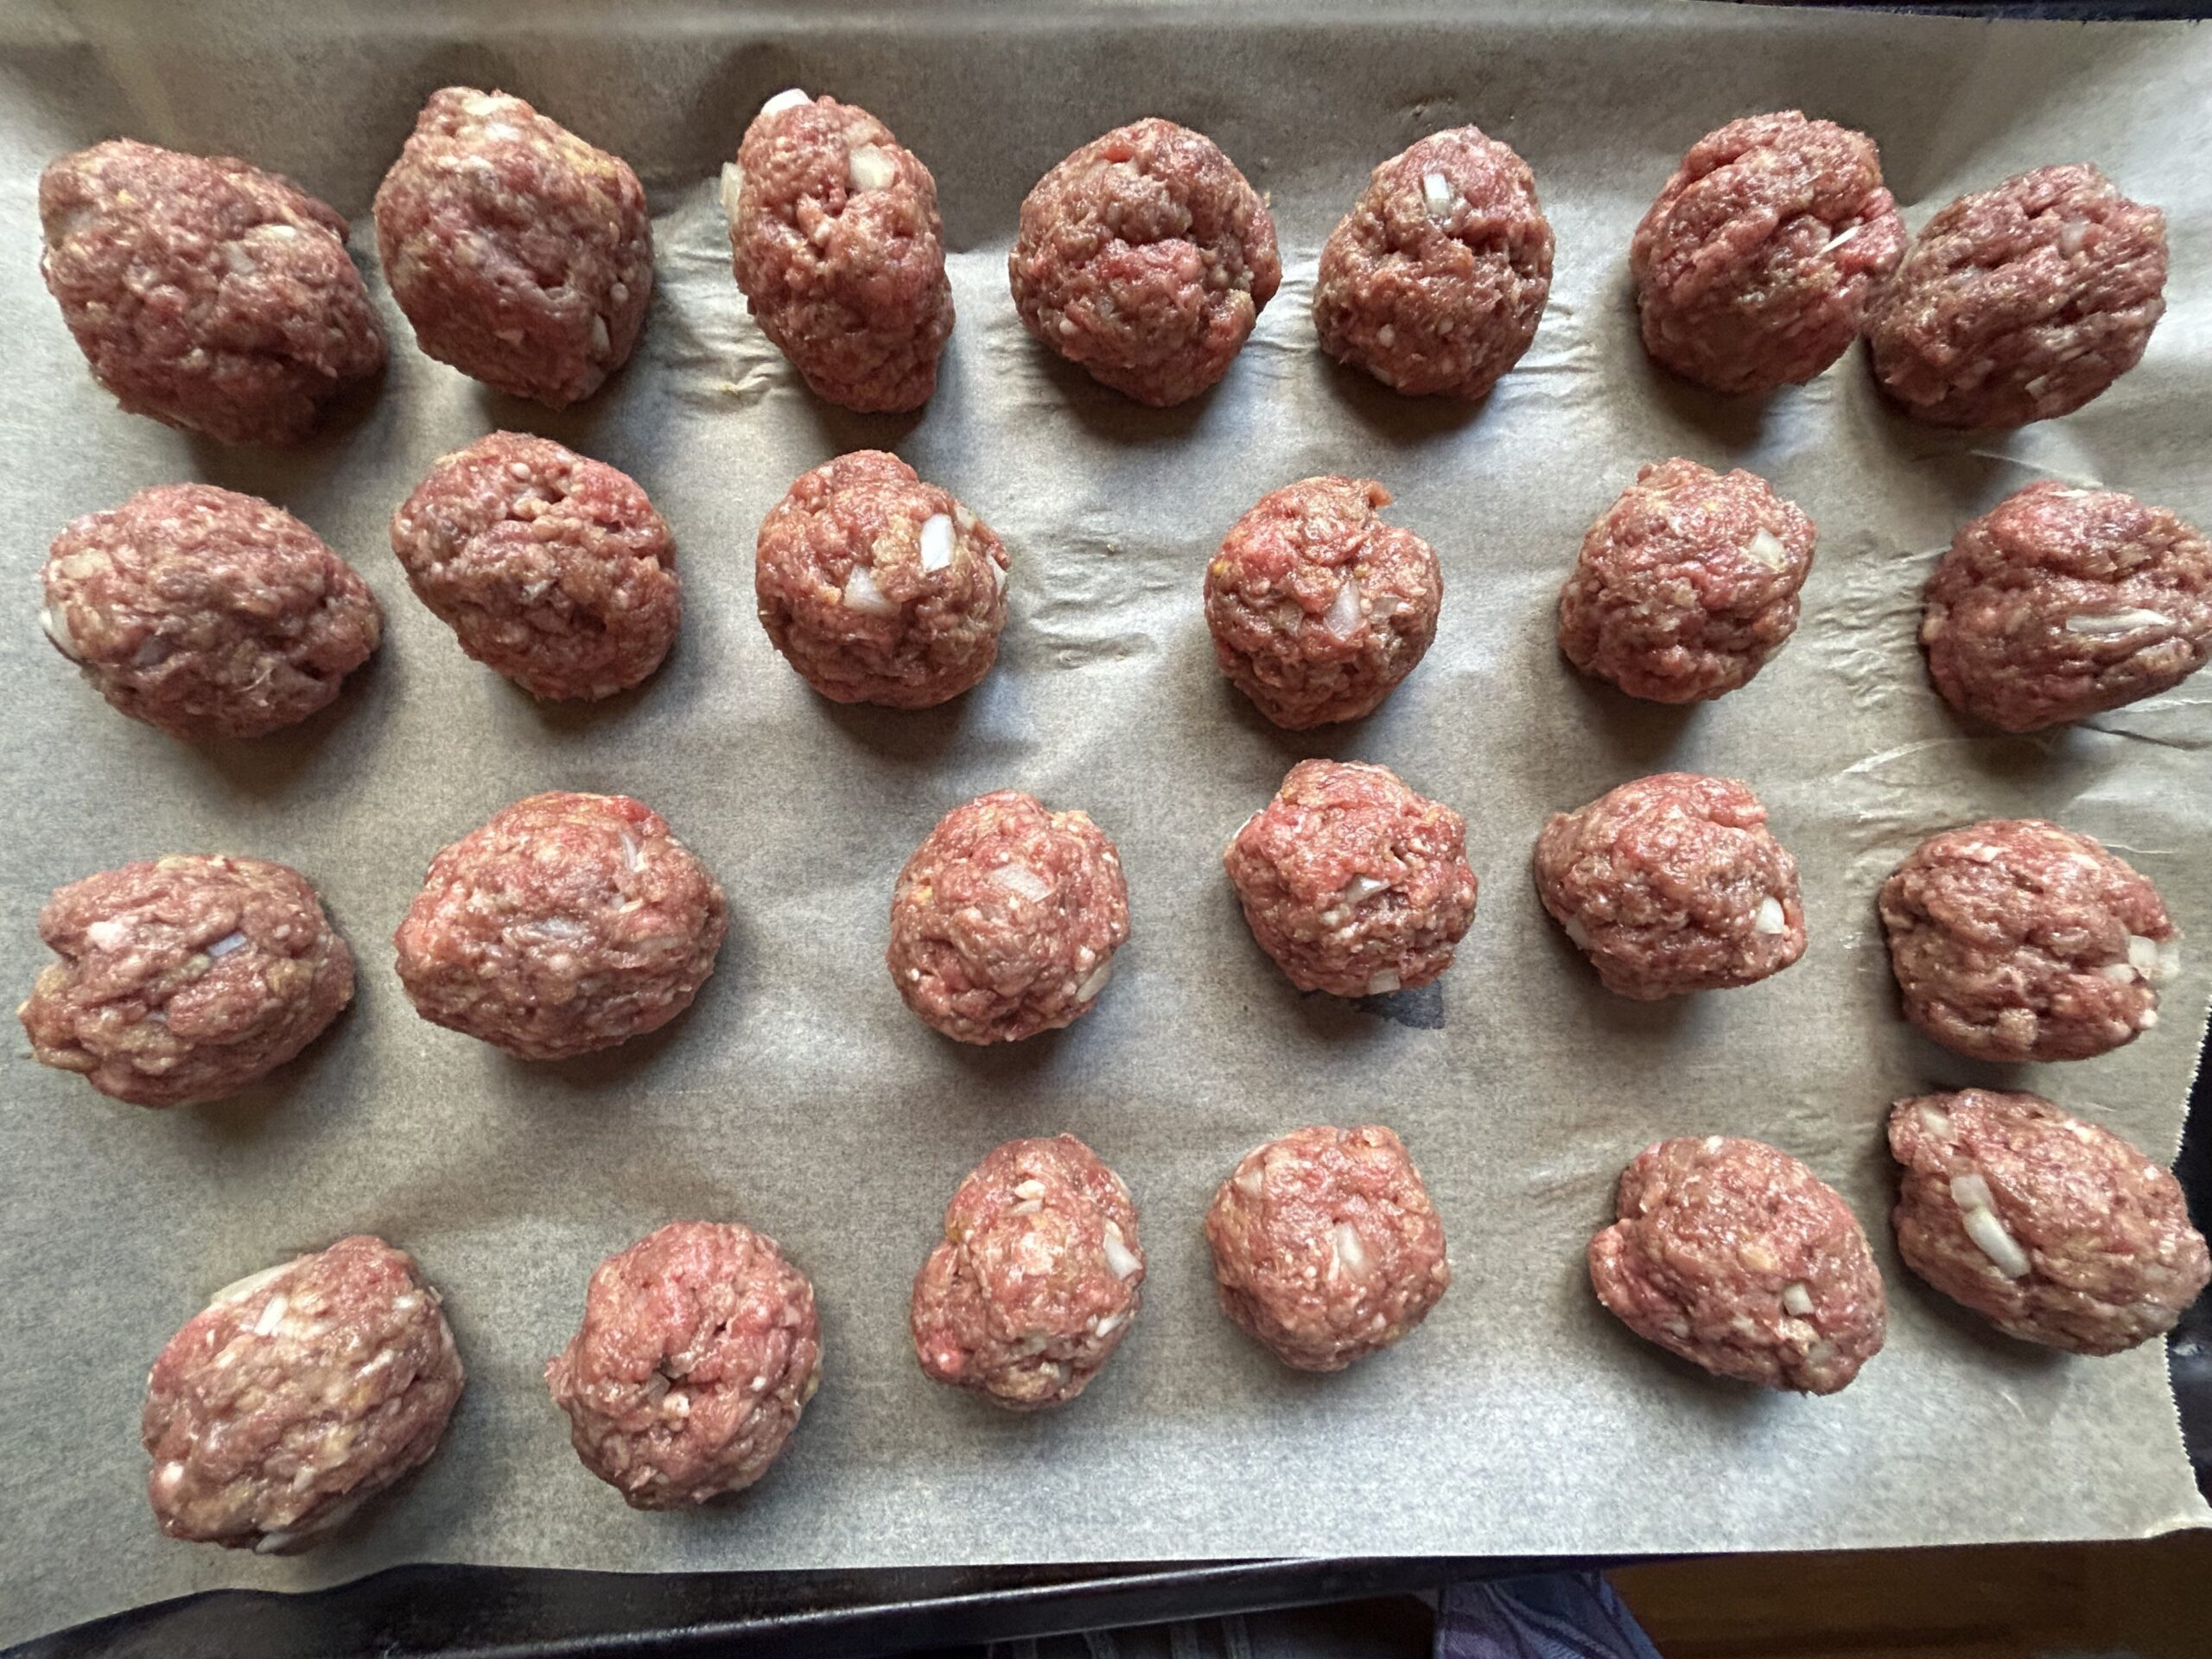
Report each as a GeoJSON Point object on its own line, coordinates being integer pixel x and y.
{"type": "Point", "coordinates": [800, 1096]}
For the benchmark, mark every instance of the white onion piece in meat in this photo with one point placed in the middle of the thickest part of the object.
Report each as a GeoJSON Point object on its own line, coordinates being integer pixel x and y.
{"type": "Point", "coordinates": [1096, 981]}
{"type": "Point", "coordinates": [1110, 1323]}
{"type": "Point", "coordinates": [272, 1315]}
{"type": "Point", "coordinates": [1350, 1250]}
{"type": "Point", "coordinates": [241, 1289]}
{"type": "Point", "coordinates": [1971, 1192]}
{"type": "Point", "coordinates": [869, 169]}
{"type": "Point", "coordinates": [1361, 888]}
{"type": "Point", "coordinates": [1119, 1256]}
{"type": "Point", "coordinates": [2073, 236]}
{"type": "Point", "coordinates": [2100, 623]}
{"type": "Point", "coordinates": [862, 595]}
{"type": "Point", "coordinates": [2119, 973]}
{"type": "Point", "coordinates": [57, 629]}
{"type": "Point", "coordinates": [230, 942]}
{"type": "Point", "coordinates": [2142, 955]}
{"type": "Point", "coordinates": [1936, 1121]}
{"type": "Point", "coordinates": [1837, 240]}
{"type": "Point", "coordinates": [998, 574]}
{"type": "Point", "coordinates": [1383, 983]}
{"type": "Point", "coordinates": [1769, 917]}
{"type": "Point", "coordinates": [1574, 931]}
{"type": "Point", "coordinates": [1768, 549]}
{"type": "Point", "coordinates": [791, 98]}
{"type": "Point", "coordinates": [1436, 194]}
{"type": "Point", "coordinates": [1343, 610]}
{"type": "Point", "coordinates": [1249, 1179]}
{"type": "Point", "coordinates": [937, 542]}
{"type": "Point", "coordinates": [2169, 958]}
{"type": "Point", "coordinates": [1018, 878]}
{"type": "Point", "coordinates": [1797, 1298]}
{"type": "Point", "coordinates": [1990, 1237]}
{"type": "Point", "coordinates": [733, 185]}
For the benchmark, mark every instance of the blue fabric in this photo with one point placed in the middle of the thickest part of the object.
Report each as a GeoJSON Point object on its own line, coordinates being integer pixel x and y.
{"type": "Point", "coordinates": [1545, 1616]}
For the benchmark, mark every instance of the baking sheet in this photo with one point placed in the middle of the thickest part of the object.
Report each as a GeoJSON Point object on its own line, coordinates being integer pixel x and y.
{"type": "Point", "coordinates": [801, 1097]}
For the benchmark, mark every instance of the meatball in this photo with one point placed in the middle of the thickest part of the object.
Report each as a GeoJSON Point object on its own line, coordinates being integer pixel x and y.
{"type": "Point", "coordinates": [1325, 1246]}
{"type": "Point", "coordinates": [567, 923]}
{"type": "Point", "coordinates": [1755, 266]}
{"type": "Point", "coordinates": [699, 1349]}
{"type": "Point", "coordinates": [2060, 603]}
{"type": "Point", "coordinates": [296, 1395]}
{"type": "Point", "coordinates": [878, 588]}
{"type": "Point", "coordinates": [1318, 607]}
{"type": "Point", "coordinates": [1435, 281]}
{"type": "Point", "coordinates": [2014, 939]}
{"type": "Point", "coordinates": [1687, 585]}
{"type": "Point", "coordinates": [1672, 884]}
{"type": "Point", "coordinates": [1739, 1258]}
{"type": "Point", "coordinates": [185, 978]}
{"type": "Point", "coordinates": [835, 238]}
{"type": "Point", "coordinates": [522, 255]}
{"type": "Point", "coordinates": [2021, 304]}
{"type": "Point", "coordinates": [1144, 258]}
{"type": "Point", "coordinates": [550, 567]}
{"type": "Point", "coordinates": [205, 292]}
{"type": "Point", "coordinates": [1038, 1278]}
{"type": "Point", "coordinates": [1353, 883]}
{"type": "Point", "coordinates": [207, 613]}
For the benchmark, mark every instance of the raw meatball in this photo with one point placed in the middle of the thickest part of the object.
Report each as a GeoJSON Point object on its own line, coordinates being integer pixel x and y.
{"type": "Point", "coordinates": [1006, 919]}
{"type": "Point", "coordinates": [698, 1351]}
{"type": "Point", "coordinates": [2021, 304]}
{"type": "Point", "coordinates": [205, 292]}
{"type": "Point", "coordinates": [2014, 939]}
{"type": "Point", "coordinates": [2060, 603]}
{"type": "Point", "coordinates": [1755, 266]}
{"type": "Point", "coordinates": [1353, 883]}
{"type": "Point", "coordinates": [567, 923]}
{"type": "Point", "coordinates": [1038, 1278]}
{"type": "Point", "coordinates": [878, 588]}
{"type": "Point", "coordinates": [1435, 281]}
{"type": "Point", "coordinates": [296, 1395]}
{"type": "Point", "coordinates": [2054, 1228]}
{"type": "Point", "coordinates": [185, 978]}
{"type": "Point", "coordinates": [1325, 1246]}
{"type": "Point", "coordinates": [1318, 607]}
{"type": "Point", "coordinates": [550, 567]}
{"type": "Point", "coordinates": [522, 255]}
{"type": "Point", "coordinates": [207, 613]}
{"type": "Point", "coordinates": [1672, 884]}
{"type": "Point", "coordinates": [835, 237]}
{"type": "Point", "coordinates": [1739, 1259]}
{"type": "Point", "coordinates": [1145, 258]}
{"type": "Point", "coordinates": [1687, 584]}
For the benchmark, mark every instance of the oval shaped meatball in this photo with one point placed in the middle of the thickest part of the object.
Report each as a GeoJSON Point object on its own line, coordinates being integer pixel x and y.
{"type": "Point", "coordinates": [698, 1351]}
{"type": "Point", "coordinates": [2052, 1227]}
{"type": "Point", "coordinates": [834, 240]}
{"type": "Point", "coordinates": [1326, 1246]}
{"type": "Point", "coordinates": [1353, 883]}
{"type": "Point", "coordinates": [1687, 584]}
{"type": "Point", "coordinates": [1755, 266]}
{"type": "Point", "coordinates": [1006, 919]}
{"type": "Point", "coordinates": [206, 612]}
{"type": "Point", "coordinates": [1739, 1259]}
{"type": "Point", "coordinates": [523, 255]}
{"type": "Point", "coordinates": [205, 292]}
{"type": "Point", "coordinates": [878, 588]}
{"type": "Point", "coordinates": [550, 567]}
{"type": "Point", "coordinates": [1144, 258]}
{"type": "Point", "coordinates": [185, 978]}
{"type": "Point", "coordinates": [1318, 607]}
{"type": "Point", "coordinates": [1672, 884]}
{"type": "Point", "coordinates": [1435, 281]}
{"type": "Point", "coordinates": [1038, 1278]}
{"type": "Point", "coordinates": [2013, 939]}
{"type": "Point", "coordinates": [2059, 603]}
{"type": "Point", "coordinates": [298, 1394]}
{"type": "Point", "coordinates": [567, 923]}
{"type": "Point", "coordinates": [2022, 302]}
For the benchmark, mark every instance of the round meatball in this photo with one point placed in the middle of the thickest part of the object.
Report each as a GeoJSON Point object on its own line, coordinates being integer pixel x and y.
{"type": "Point", "coordinates": [699, 1348]}
{"type": "Point", "coordinates": [1318, 607]}
{"type": "Point", "coordinates": [1145, 258]}
{"type": "Point", "coordinates": [1672, 884]}
{"type": "Point", "coordinates": [1687, 585]}
{"type": "Point", "coordinates": [1435, 281]}
{"type": "Point", "coordinates": [1353, 883]}
{"type": "Point", "coordinates": [550, 567]}
{"type": "Point", "coordinates": [878, 588]}
{"type": "Point", "coordinates": [2060, 603]}
{"type": "Point", "coordinates": [205, 292]}
{"type": "Point", "coordinates": [1038, 1278]}
{"type": "Point", "coordinates": [206, 612]}
{"type": "Point", "coordinates": [835, 241]}
{"type": "Point", "coordinates": [1739, 1258]}
{"type": "Point", "coordinates": [1006, 919]}
{"type": "Point", "coordinates": [185, 978]}
{"type": "Point", "coordinates": [2014, 939]}
{"type": "Point", "coordinates": [296, 1395]}
{"type": "Point", "coordinates": [567, 923]}
{"type": "Point", "coordinates": [523, 255]}
{"type": "Point", "coordinates": [1755, 266]}
{"type": "Point", "coordinates": [2021, 304]}
{"type": "Point", "coordinates": [1325, 1246]}
{"type": "Point", "coordinates": [2053, 1229]}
